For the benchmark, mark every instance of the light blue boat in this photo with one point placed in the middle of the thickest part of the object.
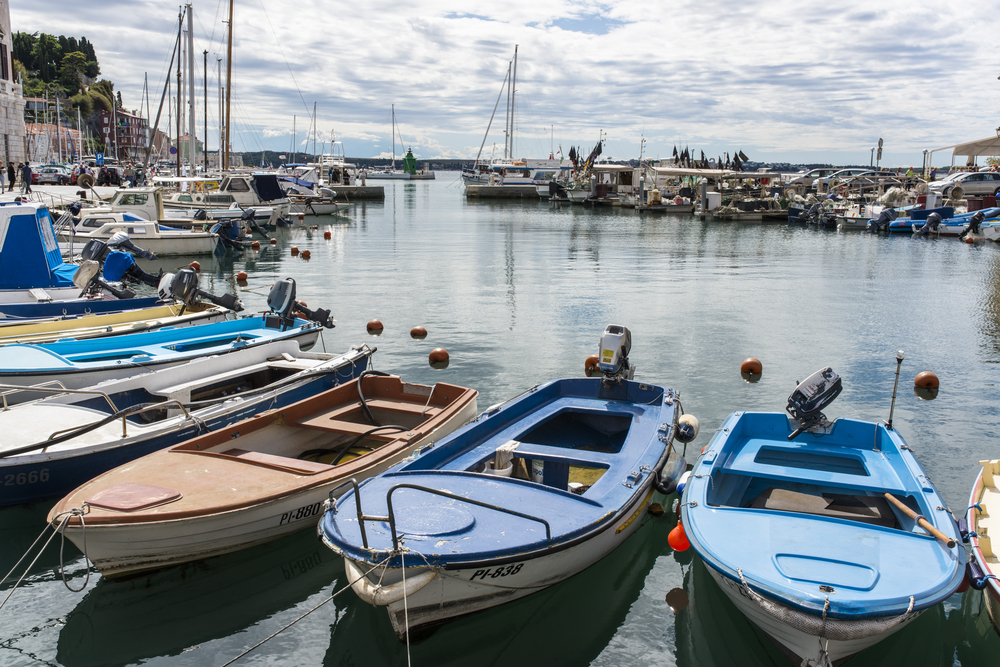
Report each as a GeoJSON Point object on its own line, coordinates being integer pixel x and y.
{"type": "Point", "coordinates": [81, 363]}
{"type": "Point", "coordinates": [793, 519]}
{"type": "Point", "coordinates": [529, 494]}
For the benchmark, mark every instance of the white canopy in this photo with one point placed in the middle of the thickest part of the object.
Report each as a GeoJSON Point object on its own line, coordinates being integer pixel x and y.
{"type": "Point", "coordinates": [987, 146]}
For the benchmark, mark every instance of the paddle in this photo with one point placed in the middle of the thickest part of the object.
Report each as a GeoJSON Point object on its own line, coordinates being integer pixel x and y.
{"type": "Point", "coordinates": [921, 521]}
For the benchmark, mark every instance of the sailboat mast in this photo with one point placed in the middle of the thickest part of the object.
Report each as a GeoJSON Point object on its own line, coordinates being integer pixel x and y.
{"type": "Point", "coordinates": [229, 86]}
{"type": "Point", "coordinates": [394, 137]}
{"type": "Point", "coordinates": [506, 120]}
{"type": "Point", "coordinates": [513, 91]}
{"type": "Point", "coordinates": [192, 140]}
{"type": "Point", "coordinates": [204, 148]}
{"type": "Point", "coordinates": [180, 41]}
{"type": "Point", "coordinates": [314, 128]}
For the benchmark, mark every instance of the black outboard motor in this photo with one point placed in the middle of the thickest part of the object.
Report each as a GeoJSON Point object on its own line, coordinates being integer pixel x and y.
{"type": "Point", "coordinates": [881, 224]}
{"type": "Point", "coordinates": [281, 299]}
{"type": "Point", "coordinates": [87, 278]}
{"type": "Point", "coordinates": [230, 232]}
{"type": "Point", "coordinates": [183, 286]}
{"type": "Point", "coordinates": [974, 222]}
{"type": "Point", "coordinates": [200, 215]}
{"type": "Point", "coordinates": [250, 220]}
{"type": "Point", "coordinates": [931, 225]}
{"type": "Point", "coordinates": [120, 266]}
{"type": "Point", "coordinates": [121, 241]}
{"type": "Point", "coordinates": [814, 213]}
{"type": "Point", "coordinates": [812, 395]}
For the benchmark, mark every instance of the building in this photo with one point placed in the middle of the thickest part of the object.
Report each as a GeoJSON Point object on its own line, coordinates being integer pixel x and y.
{"type": "Point", "coordinates": [125, 134]}
{"type": "Point", "coordinates": [44, 141]}
{"type": "Point", "coordinates": [13, 147]}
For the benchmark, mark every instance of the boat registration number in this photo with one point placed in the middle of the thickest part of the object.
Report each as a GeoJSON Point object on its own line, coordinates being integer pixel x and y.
{"type": "Point", "coordinates": [301, 513]}
{"type": "Point", "coordinates": [494, 573]}
{"type": "Point", "coordinates": [22, 478]}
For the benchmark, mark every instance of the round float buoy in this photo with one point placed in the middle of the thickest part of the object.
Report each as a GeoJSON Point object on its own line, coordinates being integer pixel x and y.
{"type": "Point", "coordinates": [327, 235]}
{"type": "Point", "coordinates": [295, 250]}
{"type": "Point", "coordinates": [255, 245]}
{"type": "Point", "coordinates": [419, 333]}
{"type": "Point", "coordinates": [306, 254]}
{"type": "Point", "coordinates": [687, 428]}
{"type": "Point", "coordinates": [439, 358]}
{"type": "Point", "coordinates": [751, 369]}
{"type": "Point", "coordinates": [968, 239]}
{"type": "Point", "coordinates": [274, 241]}
{"type": "Point", "coordinates": [590, 365]}
{"type": "Point", "coordinates": [302, 217]}
{"type": "Point", "coordinates": [241, 277]}
{"type": "Point", "coordinates": [196, 266]}
{"type": "Point", "coordinates": [374, 327]}
{"type": "Point", "coordinates": [926, 380]}
{"type": "Point", "coordinates": [677, 539]}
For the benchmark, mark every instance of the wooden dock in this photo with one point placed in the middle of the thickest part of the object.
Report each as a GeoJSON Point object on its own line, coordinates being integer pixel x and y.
{"type": "Point", "coordinates": [349, 193]}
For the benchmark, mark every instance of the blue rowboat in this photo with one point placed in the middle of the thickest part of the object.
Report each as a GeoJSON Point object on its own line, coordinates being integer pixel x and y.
{"type": "Point", "coordinates": [796, 520]}
{"type": "Point", "coordinates": [917, 219]}
{"type": "Point", "coordinates": [81, 363]}
{"type": "Point", "coordinates": [531, 493]}
{"type": "Point", "coordinates": [58, 443]}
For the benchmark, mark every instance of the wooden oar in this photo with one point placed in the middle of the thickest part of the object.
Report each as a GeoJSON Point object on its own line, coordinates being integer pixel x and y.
{"type": "Point", "coordinates": [922, 522]}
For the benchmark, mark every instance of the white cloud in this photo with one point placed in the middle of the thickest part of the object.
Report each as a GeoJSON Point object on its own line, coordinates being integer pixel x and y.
{"type": "Point", "coordinates": [778, 79]}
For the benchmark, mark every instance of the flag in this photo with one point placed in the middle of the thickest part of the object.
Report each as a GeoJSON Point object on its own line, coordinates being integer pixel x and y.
{"type": "Point", "coordinates": [675, 152]}
{"type": "Point", "coordinates": [743, 156]}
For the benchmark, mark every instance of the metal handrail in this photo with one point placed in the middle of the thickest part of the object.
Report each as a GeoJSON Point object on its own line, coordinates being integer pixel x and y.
{"type": "Point", "coordinates": [128, 412]}
{"type": "Point", "coordinates": [392, 517]}
{"type": "Point", "coordinates": [6, 389]}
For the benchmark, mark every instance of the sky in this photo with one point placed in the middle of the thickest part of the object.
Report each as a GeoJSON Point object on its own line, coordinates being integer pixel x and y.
{"type": "Point", "coordinates": [783, 81]}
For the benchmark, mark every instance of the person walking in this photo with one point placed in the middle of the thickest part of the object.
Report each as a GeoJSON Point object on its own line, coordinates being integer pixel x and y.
{"type": "Point", "coordinates": [26, 178]}
{"type": "Point", "coordinates": [11, 176]}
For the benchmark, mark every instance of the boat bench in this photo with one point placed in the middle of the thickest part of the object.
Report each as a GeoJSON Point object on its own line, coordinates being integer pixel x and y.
{"type": "Point", "coordinates": [817, 463]}
{"type": "Point", "coordinates": [330, 420]}
{"type": "Point", "coordinates": [280, 462]}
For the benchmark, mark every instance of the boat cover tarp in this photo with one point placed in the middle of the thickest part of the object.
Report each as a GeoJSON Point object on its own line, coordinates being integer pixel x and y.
{"type": "Point", "coordinates": [29, 256]}
{"type": "Point", "coordinates": [298, 181]}
{"type": "Point", "coordinates": [267, 187]}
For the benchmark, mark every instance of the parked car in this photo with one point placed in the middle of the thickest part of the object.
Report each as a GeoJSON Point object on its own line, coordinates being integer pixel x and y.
{"type": "Point", "coordinates": [964, 183]}
{"type": "Point", "coordinates": [837, 177]}
{"type": "Point", "coordinates": [803, 182]}
{"type": "Point", "coordinates": [50, 174]}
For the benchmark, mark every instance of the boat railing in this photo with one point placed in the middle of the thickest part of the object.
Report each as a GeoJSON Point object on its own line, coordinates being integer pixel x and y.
{"type": "Point", "coordinates": [50, 387]}
{"type": "Point", "coordinates": [391, 518]}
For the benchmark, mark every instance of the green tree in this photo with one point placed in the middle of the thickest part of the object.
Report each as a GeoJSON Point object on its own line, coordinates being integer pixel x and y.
{"type": "Point", "coordinates": [47, 56]}
{"type": "Point", "coordinates": [102, 94]}
{"type": "Point", "coordinates": [120, 105]}
{"type": "Point", "coordinates": [86, 104]}
{"type": "Point", "coordinates": [73, 67]}
{"type": "Point", "coordinates": [23, 48]}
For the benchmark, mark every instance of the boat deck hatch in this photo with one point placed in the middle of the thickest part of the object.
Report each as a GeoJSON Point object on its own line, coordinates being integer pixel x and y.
{"type": "Point", "coordinates": [810, 461]}
{"type": "Point", "coordinates": [596, 432]}
{"type": "Point", "coordinates": [864, 509]}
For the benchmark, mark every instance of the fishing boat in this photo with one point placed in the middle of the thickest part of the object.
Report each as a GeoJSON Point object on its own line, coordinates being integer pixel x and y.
{"type": "Point", "coordinates": [259, 479]}
{"type": "Point", "coordinates": [94, 325]}
{"type": "Point", "coordinates": [531, 493]}
{"type": "Point", "coordinates": [61, 441]}
{"type": "Point", "coordinates": [160, 239]}
{"type": "Point", "coordinates": [826, 535]}
{"type": "Point", "coordinates": [959, 223]}
{"type": "Point", "coordinates": [260, 191]}
{"type": "Point", "coordinates": [984, 562]}
{"type": "Point", "coordinates": [917, 218]}
{"type": "Point", "coordinates": [80, 363]}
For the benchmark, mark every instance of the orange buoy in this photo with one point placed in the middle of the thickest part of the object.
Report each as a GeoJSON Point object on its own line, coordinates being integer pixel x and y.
{"type": "Point", "coordinates": [327, 234]}
{"type": "Point", "coordinates": [196, 266]}
{"type": "Point", "coordinates": [255, 245]}
{"type": "Point", "coordinates": [295, 250]}
{"type": "Point", "coordinates": [419, 333]}
{"type": "Point", "coordinates": [274, 241]}
{"type": "Point", "coordinates": [241, 277]}
{"type": "Point", "coordinates": [590, 365]}
{"type": "Point", "coordinates": [439, 358]}
{"type": "Point", "coordinates": [374, 327]}
{"type": "Point", "coordinates": [751, 369]}
{"type": "Point", "coordinates": [678, 539]}
{"type": "Point", "coordinates": [969, 239]}
{"type": "Point", "coordinates": [302, 217]}
{"type": "Point", "coordinates": [306, 254]}
{"type": "Point", "coordinates": [926, 380]}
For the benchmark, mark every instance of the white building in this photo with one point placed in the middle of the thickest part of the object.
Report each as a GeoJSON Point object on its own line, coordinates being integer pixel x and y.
{"type": "Point", "coordinates": [12, 144]}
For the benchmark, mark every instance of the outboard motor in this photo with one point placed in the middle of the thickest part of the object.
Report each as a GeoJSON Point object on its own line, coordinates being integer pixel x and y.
{"type": "Point", "coordinates": [281, 300]}
{"type": "Point", "coordinates": [121, 241]}
{"type": "Point", "coordinates": [881, 224]}
{"type": "Point", "coordinates": [183, 286]}
{"type": "Point", "coordinates": [812, 395]}
{"type": "Point", "coordinates": [230, 232]}
{"type": "Point", "coordinates": [931, 225]}
{"type": "Point", "coordinates": [974, 222]}
{"type": "Point", "coordinates": [616, 343]}
{"type": "Point", "coordinates": [120, 266]}
{"type": "Point", "coordinates": [200, 215]}
{"type": "Point", "coordinates": [87, 278]}
{"type": "Point", "coordinates": [814, 213]}
{"type": "Point", "coordinates": [95, 250]}
{"type": "Point", "coordinates": [251, 221]}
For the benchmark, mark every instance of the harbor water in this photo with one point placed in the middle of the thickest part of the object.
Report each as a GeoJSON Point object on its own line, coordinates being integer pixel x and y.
{"type": "Point", "coordinates": [518, 293]}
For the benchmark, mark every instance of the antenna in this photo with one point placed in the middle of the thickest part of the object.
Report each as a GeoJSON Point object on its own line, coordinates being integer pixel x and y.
{"type": "Point", "coordinates": [899, 362]}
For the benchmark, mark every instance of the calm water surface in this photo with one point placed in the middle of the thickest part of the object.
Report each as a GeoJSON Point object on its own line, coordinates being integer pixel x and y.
{"type": "Point", "coordinates": [519, 293]}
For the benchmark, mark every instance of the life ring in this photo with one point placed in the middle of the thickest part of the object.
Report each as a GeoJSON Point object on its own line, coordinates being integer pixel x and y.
{"type": "Point", "coordinates": [765, 181]}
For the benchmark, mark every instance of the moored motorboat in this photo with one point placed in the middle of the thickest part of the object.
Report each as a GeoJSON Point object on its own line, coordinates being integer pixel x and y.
{"type": "Point", "coordinates": [259, 479]}
{"type": "Point", "coordinates": [827, 535]}
{"type": "Point", "coordinates": [531, 493]}
{"type": "Point", "coordinates": [984, 561]}
{"type": "Point", "coordinates": [59, 442]}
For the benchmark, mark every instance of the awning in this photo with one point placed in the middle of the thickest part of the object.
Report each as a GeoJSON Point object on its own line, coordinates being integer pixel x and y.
{"type": "Point", "coordinates": [987, 146]}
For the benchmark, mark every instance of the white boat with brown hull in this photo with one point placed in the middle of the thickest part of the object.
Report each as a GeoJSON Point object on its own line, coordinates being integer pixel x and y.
{"type": "Point", "coordinates": [257, 480]}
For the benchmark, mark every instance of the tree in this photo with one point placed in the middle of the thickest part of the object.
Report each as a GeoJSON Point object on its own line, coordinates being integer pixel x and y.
{"type": "Point", "coordinates": [102, 94]}
{"type": "Point", "coordinates": [120, 105]}
{"type": "Point", "coordinates": [72, 69]}
{"type": "Point", "coordinates": [47, 54]}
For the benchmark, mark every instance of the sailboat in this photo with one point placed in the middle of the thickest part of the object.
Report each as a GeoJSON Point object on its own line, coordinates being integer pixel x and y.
{"type": "Point", "coordinates": [409, 172]}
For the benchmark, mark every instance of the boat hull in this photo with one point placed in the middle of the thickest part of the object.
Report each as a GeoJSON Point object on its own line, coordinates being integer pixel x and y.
{"type": "Point", "coordinates": [171, 243]}
{"type": "Point", "coordinates": [983, 558]}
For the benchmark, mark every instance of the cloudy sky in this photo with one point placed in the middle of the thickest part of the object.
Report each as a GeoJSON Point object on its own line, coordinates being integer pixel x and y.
{"type": "Point", "coordinates": [782, 80]}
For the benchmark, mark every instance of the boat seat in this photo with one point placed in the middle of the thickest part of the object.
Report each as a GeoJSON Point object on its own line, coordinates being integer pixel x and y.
{"type": "Point", "coordinates": [864, 509]}
{"type": "Point", "coordinates": [323, 422]}
{"type": "Point", "coordinates": [404, 407]}
{"type": "Point", "coordinates": [280, 462]}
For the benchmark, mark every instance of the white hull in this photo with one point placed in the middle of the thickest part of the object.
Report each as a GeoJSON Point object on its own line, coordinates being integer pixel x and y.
{"type": "Point", "coordinates": [171, 243]}
{"type": "Point", "coordinates": [805, 646]}
{"type": "Point", "coordinates": [318, 208]}
{"type": "Point", "coordinates": [24, 296]}
{"type": "Point", "coordinates": [435, 597]}
{"type": "Point", "coordinates": [126, 548]}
